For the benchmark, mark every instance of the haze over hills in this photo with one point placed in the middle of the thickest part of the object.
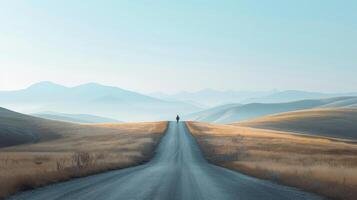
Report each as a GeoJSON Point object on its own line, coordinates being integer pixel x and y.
{"type": "Point", "coordinates": [233, 113]}
{"type": "Point", "coordinates": [331, 122]}
{"type": "Point", "coordinates": [76, 118]}
{"type": "Point", "coordinates": [210, 97]}
{"type": "Point", "coordinates": [93, 99]}
{"type": "Point", "coordinates": [116, 103]}
{"type": "Point", "coordinates": [288, 96]}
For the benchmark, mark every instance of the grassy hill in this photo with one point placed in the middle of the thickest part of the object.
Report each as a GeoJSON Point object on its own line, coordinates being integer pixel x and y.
{"type": "Point", "coordinates": [332, 122]}
{"type": "Point", "coordinates": [17, 128]}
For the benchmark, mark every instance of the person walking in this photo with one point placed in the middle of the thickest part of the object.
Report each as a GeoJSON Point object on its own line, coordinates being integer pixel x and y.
{"type": "Point", "coordinates": [177, 118]}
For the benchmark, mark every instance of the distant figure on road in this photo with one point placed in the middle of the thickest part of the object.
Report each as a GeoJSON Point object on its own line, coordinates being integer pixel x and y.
{"type": "Point", "coordinates": [177, 118]}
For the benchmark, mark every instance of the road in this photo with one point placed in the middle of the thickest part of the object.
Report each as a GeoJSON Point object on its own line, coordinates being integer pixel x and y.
{"type": "Point", "coordinates": [178, 171]}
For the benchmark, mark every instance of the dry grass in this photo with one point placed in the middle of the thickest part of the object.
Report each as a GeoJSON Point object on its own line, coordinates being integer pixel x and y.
{"type": "Point", "coordinates": [331, 122]}
{"type": "Point", "coordinates": [82, 151]}
{"type": "Point", "coordinates": [317, 164]}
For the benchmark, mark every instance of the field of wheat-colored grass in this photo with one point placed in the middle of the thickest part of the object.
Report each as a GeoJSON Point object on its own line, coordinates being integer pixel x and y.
{"type": "Point", "coordinates": [79, 151]}
{"type": "Point", "coordinates": [330, 122]}
{"type": "Point", "coordinates": [316, 164]}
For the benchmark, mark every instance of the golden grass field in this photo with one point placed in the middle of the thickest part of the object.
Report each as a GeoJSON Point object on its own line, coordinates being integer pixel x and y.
{"type": "Point", "coordinates": [79, 150]}
{"type": "Point", "coordinates": [331, 122]}
{"type": "Point", "coordinates": [316, 164]}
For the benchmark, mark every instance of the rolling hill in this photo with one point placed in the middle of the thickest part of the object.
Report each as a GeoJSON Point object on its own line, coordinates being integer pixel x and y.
{"type": "Point", "coordinates": [92, 99]}
{"type": "Point", "coordinates": [232, 113]}
{"type": "Point", "coordinates": [75, 118]}
{"type": "Point", "coordinates": [331, 122]}
{"type": "Point", "coordinates": [17, 128]}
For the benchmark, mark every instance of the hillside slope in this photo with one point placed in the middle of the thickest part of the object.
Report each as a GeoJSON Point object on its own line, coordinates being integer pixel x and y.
{"type": "Point", "coordinates": [235, 112]}
{"type": "Point", "coordinates": [335, 122]}
{"type": "Point", "coordinates": [17, 128]}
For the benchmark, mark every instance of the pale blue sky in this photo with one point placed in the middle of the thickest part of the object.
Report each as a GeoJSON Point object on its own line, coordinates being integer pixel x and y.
{"type": "Point", "coordinates": [171, 46]}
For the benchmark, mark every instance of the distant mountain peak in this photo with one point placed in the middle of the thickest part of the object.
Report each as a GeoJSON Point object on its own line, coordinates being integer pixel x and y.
{"type": "Point", "coordinates": [91, 84]}
{"type": "Point", "coordinates": [45, 85]}
{"type": "Point", "coordinates": [299, 92]}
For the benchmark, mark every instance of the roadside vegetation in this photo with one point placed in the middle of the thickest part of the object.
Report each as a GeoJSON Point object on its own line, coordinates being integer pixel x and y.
{"type": "Point", "coordinates": [316, 164]}
{"type": "Point", "coordinates": [79, 150]}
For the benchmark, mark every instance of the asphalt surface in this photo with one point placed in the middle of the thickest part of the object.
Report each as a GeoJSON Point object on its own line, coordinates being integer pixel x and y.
{"type": "Point", "coordinates": [178, 171]}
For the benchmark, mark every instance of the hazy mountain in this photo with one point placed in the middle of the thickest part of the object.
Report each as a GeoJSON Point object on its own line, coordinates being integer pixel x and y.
{"type": "Point", "coordinates": [294, 95]}
{"type": "Point", "coordinates": [211, 114]}
{"type": "Point", "coordinates": [76, 118]}
{"type": "Point", "coordinates": [232, 113]}
{"type": "Point", "coordinates": [209, 97]}
{"type": "Point", "coordinates": [332, 122]}
{"type": "Point", "coordinates": [345, 103]}
{"type": "Point", "coordinates": [93, 99]}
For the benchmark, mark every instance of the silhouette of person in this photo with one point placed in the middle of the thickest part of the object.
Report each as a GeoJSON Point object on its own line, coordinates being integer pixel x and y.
{"type": "Point", "coordinates": [177, 118]}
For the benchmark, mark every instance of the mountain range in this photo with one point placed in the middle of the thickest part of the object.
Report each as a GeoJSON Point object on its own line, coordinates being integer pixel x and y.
{"type": "Point", "coordinates": [85, 103]}
{"type": "Point", "coordinates": [92, 99]}
{"type": "Point", "coordinates": [210, 97]}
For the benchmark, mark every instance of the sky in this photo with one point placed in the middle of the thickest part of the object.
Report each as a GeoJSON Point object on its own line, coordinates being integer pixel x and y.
{"type": "Point", "coordinates": [170, 46]}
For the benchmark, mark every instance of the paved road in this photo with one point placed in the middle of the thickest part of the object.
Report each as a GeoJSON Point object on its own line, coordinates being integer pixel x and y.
{"type": "Point", "coordinates": [178, 171]}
